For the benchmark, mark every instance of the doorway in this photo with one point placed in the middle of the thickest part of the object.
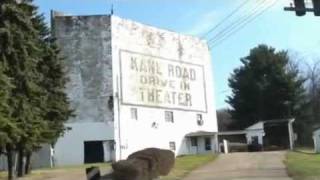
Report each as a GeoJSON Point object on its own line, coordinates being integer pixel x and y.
{"type": "Point", "coordinates": [109, 154]}
{"type": "Point", "coordinates": [93, 152]}
{"type": "Point", "coordinates": [207, 142]}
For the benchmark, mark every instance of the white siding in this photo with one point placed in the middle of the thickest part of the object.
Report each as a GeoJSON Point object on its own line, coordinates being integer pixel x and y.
{"type": "Point", "coordinates": [69, 150]}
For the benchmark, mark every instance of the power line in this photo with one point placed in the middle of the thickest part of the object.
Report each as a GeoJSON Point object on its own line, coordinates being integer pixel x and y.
{"type": "Point", "coordinates": [238, 21]}
{"type": "Point", "coordinates": [226, 18]}
{"type": "Point", "coordinates": [249, 20]}
{"type": "Point", "coordinates": [243, 25]}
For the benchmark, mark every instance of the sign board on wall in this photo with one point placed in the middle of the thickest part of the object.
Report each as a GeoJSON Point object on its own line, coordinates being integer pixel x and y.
{"type": "Point", "coordinates": [159, 82]}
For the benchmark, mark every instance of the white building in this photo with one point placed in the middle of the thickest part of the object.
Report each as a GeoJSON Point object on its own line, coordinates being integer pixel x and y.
{"type": "Point", "coordinates": [255, 133]}
{"type": "Point", "coordinates": [261, 133]}
{"type": "Point", "coordinates": [41, 158]}
{"type": "Point", "coordinates": [132, 86]}
{"type": "Point", "coordinates": [316, 139]}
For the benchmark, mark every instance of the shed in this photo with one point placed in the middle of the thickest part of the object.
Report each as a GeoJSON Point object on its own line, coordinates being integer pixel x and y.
{"type": "Point", "coordinates": [255, 132]}
{"type": "Point", "coordinates": [263, 133]}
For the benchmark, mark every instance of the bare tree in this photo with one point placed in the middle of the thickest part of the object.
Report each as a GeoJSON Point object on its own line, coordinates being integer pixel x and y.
{"type": "Point", "coordinates": [224, 120]}
{"type": "Point", "coordinates": [313, 89]}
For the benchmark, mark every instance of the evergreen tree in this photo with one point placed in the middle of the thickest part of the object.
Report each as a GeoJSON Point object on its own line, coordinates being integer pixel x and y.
{"type": "Point", "coordinates": [56, 107]}
{"type": "Point", "coordinates": [17, 52]}
{"type": "Point", "coordinates": [8, 130]}
{"type": "Point", "coordinates": [38, 105]}
{"type": "Point", "coordinates": [264, 88]}
{"type": "Point", "coordinates": [54, 104]}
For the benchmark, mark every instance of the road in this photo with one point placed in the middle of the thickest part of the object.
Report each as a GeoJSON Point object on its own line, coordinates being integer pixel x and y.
{"type": "Point", "coordinates": [244, 166]}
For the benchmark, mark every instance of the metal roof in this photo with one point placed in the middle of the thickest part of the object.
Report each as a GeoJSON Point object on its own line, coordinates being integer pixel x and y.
{"type": "Point", "coordinates": [200, 133]}
{"type": "Point", "coordinates": [206, 133]}
{"type": "Point", "coordinates": [238, 132]}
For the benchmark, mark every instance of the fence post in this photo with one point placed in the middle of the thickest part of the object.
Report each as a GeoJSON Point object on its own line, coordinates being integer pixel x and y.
{"type": "Point", "coordinates": [225, 146]}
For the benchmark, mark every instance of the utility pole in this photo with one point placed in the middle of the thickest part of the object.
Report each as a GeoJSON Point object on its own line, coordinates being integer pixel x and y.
{"type": "Point", "coordinates": [111, 10]}
{"type": "Point", "coordinates": [300, 8]}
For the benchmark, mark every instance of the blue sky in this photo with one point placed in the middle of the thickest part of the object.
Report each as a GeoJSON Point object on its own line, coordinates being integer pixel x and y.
{"type": "Point", "coordinates": [275, 27]}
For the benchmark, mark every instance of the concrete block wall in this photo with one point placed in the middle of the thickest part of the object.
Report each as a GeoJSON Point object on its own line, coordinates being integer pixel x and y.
{"type": "Point", "coordinates": [85, 43]}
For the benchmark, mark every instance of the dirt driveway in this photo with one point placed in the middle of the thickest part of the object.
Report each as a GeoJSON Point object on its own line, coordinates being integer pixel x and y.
{"type": "Point", "coordinates": [244, 166]}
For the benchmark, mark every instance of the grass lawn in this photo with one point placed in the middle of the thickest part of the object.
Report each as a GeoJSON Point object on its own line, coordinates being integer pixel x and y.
{"type": "Point", "coordinates": [47, 173]}
{"type": "Point", "coordinates": [185, 164]}
{"type": "Point", "coordinates": [303, 165]}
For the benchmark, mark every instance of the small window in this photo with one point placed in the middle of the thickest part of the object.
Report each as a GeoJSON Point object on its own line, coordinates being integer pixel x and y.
{"type": "Point", "coordinates": [172, 145]}
{"type": "Point", "coordinates": [194, 141]}
{"type": "Point", "coordinates": [169, 116]}
{"type": "Point", "coordinates": [134, 113]}
{"type": "Point", "coordinates": [199, 119]}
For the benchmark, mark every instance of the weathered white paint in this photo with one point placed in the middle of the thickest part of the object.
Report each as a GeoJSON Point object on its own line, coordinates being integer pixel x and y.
{"type": "Point", "coordinates": [103, 87]}
{"type": "Point", "coordinates": [316, 139]}
{"type": "Point", "coordinates": [255, 130]}
{"type": "Point", "coordinates": [85, 43]}
{"type": "Point", "coordinates": [138, 134]}
{"type": "Point", "coordinates": [158, 82]}
{"type": "Point", "coordinates": [69, 150]}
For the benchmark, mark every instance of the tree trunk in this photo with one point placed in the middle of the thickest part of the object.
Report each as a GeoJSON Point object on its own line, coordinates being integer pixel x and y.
{"type": "Point", "coordinates": [11, 163]}
{"type": "Point", "coordinates": [28, 161]}
{"type": "Point", "coordinates": [21, 163]}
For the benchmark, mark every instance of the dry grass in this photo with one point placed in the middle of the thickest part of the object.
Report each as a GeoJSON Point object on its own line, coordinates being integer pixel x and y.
{"type": "Point", "coordinates": [186, 164]}
{"type": "Point", "coordinates": [63, 172]}
{"type": "Point", "coordinates": [183, 166]}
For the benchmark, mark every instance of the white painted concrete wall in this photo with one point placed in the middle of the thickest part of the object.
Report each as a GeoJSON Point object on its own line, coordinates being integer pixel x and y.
{"type": "Point", "coordinates": [253, 133]}
{"type": "Point", "coordinates": [91, 45]}
{"type": "Point", "coordinates": [192, 149]}
{"type": "Point", "coordinates": [200, 148]}
{"type": "Point", "coordinates": [259, 125]}
{"type": "Point", "coordinates": [42, 158]}
{"type": "Point", "coordinates": [69, 150]}
{"type": "Point", "coordinates": [316, 139]}
{"type": "Point", "coordinates": [138, 134]}
{"type": "Point", "coordinates": [85, 43]}
{"type": "Point", "coordinates": [39, 159]}
{"type": "Point", "coordinates": [255, 130]}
